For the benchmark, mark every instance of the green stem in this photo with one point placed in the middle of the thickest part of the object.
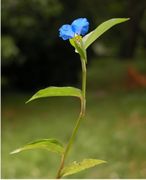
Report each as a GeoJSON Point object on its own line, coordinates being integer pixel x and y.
{"type": "Point", "coordinates": [77, 125]}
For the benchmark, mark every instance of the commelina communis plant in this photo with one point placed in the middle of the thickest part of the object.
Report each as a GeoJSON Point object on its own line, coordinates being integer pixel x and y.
{"type": "Point", "coordinates": [75, 33]}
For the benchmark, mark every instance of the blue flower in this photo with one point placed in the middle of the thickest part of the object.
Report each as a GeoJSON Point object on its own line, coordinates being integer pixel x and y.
{"type": "Point", "coordinates": [79, 26]}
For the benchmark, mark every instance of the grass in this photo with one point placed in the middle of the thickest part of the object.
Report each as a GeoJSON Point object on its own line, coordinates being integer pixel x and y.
{"type": "Point", "coordinates": [114, 130]}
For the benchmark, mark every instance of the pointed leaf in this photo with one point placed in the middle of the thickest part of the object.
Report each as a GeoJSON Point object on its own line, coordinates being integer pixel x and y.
{"type": "Point", "coordinates": [92, 36]}
{"type": "Point", "coordinates": [57, 91]}
{"type": "Point", "coordinates": [48, 144]}
{"type": "Point", "coordinates": [80, 166]}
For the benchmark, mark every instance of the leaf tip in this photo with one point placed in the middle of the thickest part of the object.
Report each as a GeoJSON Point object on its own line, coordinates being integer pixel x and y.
{"type": "Point", "coordinates": [29, 100]}
{"type": "Point", "coordinates": [127, 19]}
{"type": "Point", "coordinates": [104, 161]}
{"type": "Point", "coordinates": [15, 151]}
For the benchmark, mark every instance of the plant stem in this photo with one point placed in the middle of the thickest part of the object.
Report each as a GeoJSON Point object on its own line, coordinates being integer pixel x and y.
{"type": "Point", "coordinates": [77, 125]}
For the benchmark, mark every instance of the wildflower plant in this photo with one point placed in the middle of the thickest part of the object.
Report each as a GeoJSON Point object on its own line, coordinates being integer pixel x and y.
{"type": "Point", "coordinates": [75, 33]}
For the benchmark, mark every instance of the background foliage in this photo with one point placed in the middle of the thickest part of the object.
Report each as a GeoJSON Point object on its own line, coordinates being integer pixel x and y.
{"type": "Point", "coordinates": [30, 38]}
{"type": "Point", "coordinates": [114, 128]}
{"type": "Point", "coordinates": [34, 57]}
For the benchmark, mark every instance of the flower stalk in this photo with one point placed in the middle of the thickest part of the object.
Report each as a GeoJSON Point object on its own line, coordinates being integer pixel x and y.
{"type": "Point", "coordinates": [78, 121]}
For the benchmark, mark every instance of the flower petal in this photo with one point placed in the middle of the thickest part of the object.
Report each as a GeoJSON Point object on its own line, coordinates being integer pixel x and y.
{"type": "Point", "coordinates": [80, 26]}
{"type": "Point", "coordinates": [66, 32]}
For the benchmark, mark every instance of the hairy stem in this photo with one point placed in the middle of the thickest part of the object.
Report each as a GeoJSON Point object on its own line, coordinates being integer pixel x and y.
{"type": "Point", "coordinates": [77, 125]}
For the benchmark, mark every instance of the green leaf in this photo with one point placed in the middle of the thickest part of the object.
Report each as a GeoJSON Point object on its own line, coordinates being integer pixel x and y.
{"type": "Point", "coordinates": [48, 144]}
{"type": "Point", "coordinates": [92, 36]}
{"type": "Point", "coordinates": [77, 167]}
{"type": "Point", "coordinates": [57, 91]}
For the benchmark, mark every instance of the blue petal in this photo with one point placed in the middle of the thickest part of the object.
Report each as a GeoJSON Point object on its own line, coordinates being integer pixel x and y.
{"type": "Point", "coordinates": [80, 26]}
{"type": "Point", "coordinates": [66, 32]}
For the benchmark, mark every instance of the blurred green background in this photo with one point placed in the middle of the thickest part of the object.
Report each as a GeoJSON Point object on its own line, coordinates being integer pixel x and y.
{"type": "Point", "coordinates": [34, 57]}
